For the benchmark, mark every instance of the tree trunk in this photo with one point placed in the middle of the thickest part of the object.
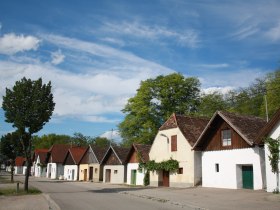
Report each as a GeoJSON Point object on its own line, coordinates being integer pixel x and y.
{"type": "Point", "coordinates": [277, 181]}
{"type": "Point", "coordinates": [27, 175]}
{"type": "Point", "coordinates": [12, 171]}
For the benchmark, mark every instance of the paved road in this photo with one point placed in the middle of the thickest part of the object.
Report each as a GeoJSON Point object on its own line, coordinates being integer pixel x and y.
{"type": "Point", "coordinates": [85, 195]}
{"type": "Point", "coordinates": [76, 195]}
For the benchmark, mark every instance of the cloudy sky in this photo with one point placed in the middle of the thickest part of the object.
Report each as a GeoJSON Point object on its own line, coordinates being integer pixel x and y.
{"type": "Point", "coordinates": [95, 53]}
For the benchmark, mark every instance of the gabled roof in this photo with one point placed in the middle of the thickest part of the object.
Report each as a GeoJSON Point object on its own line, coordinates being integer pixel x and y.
{"type": "Point", "coordinates": [58, 152]}
{"type": "Point", "coordinates": [76, 153]}
{"type": "Point", "coordinates": [191, 127]}
{"type": "Point", "coordinates": [268, 127]}
{"type": "Point", "coordinates": [120, 152]}
{"type": "Point", "coordinates": [143, 151]}
{"type": "Point", "coordinates": [39, 152]}
{"type": "Point", "coordinates": [19, 161]}
{"type": "Point", "coordinates": [246, 126]}
{"type": "Point", "coordinates": [99, 152]}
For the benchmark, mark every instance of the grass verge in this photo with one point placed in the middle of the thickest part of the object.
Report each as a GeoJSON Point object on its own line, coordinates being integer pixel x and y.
{"type": "Point", "coordinates": [12, 192]}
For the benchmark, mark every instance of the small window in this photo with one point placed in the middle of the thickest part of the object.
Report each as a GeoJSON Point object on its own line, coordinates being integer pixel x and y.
{"type": "Point", "coordinates": [96, 170]}
{"type": "Point", "coordinates": [217, 167]}
{"type": "Point", "coordinates": [226, 137]}
{"type": "Point", "coordinates": [115, 171]}
{"type": "Point", "coordinates": [174, 143]}
{"type": "Point", "coordinates": [180, 171]}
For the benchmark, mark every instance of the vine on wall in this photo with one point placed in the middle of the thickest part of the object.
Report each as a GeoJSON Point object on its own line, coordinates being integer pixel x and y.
{"type": "Point", "coordinates": [168, 165]}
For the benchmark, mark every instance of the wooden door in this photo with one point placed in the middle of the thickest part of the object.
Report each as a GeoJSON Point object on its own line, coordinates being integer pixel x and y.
{"type": "Point", "coordinates": [108, 175]}
{"type": "Point", "coordinates": [90, 173]}
{"type": "Point", "coordinates": [85, 174]}
{"type": "Point", "coordinates": [165, 178]}
{"type": "Point", "coordinates": [73, 174]}
{"type": "Point", "coordinates": [133, 177]}
{"type": "Point", "coordinates": [247, 177]}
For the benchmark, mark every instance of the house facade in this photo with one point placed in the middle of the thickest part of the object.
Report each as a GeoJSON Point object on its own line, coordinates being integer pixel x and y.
{"type": "Point", "coordinates": [174, 141]}
{"type": "Point", "coordinates": [19, 164]}
{"type": "Point", "coordinates": [39, 163]}
{"type": "Point", "coordinates": [90, 165]}
{"type": "Point", "coordinates": [231, 155]}
{"type": "Point", "coordinates": [55, 158]}
{"type": "Point", "coordinates": [115, 167]}
{"type": "Point", "coordinates": [138, 153]}
{"type": "Point", "coordinates": [71, 163]}
{"type": "Point", "coordinates": [272, 130]}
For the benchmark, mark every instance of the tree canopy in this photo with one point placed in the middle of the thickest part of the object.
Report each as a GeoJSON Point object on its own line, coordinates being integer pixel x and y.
{"type": "Point", "coordinates": [154, 102]}
{"type": "Point", "coordinates": [28, 106]}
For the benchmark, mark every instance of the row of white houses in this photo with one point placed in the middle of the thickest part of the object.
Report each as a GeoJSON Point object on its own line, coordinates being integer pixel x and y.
{"type": "Point", "coordinates": [227, 151]}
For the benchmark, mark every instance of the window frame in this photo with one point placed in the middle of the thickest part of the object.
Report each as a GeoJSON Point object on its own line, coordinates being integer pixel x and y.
{"type": "Point", "coordinates": [217, 167]}
{"type": "Point", "coordinates": [226, 137]}
{"type": "Point", "coordinates": [174, 143]}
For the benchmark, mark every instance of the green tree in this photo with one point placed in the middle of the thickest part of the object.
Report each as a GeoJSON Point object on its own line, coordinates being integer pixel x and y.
{"type": "Point", "coordinates": [273, 92]}
{"type": "Point", "coordinates": [102, 142]}
{"type": "Point", "coordinates": [210, 103]}
{"type": "Point", "coordinates": [81, 140]}
{"type": "Point", "coordinates": [28, 106]}
{"type": "Point", "coordinates": [47, 140]}
{"type": "Point", "coordinates": [10, 147]}
{"type": "Point", "coordinates": [154, 102]}
{"type": "Point", "coordinates": [248, 101]}
{"type": "Point", "coordinates": [273, 147]}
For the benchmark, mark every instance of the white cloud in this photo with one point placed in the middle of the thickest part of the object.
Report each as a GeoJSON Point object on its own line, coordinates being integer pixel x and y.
{"type": "Point", "coordinates": [113, 41]}
{"type": "Point", "coordinates": [213, 66]}
{"type": "Point", "coordinates": [86, 95]}
{"type": "Point", "coordinates": [222, 90]}
{"type": "Point", "coordinates": [112, 135]}
{"type": "Point", "coordinates": [57, 57]}
{"type": "Point", "coordinates": [274, 33]}
{"type": "Point", "coordinates": [11, 44]}
{"type": "Point", "coordinates": [245, 32]}
{"type": "Point", "coordinates": [187, 37]}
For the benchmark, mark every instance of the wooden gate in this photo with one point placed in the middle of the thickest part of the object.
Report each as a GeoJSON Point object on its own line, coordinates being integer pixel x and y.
{"type": "Point", "coordinates": [90, 173]}
{"type": "Point", "coordinates": [85, 174]}
{"type": "Point", "coordinates": [133, 177]}
{"type": "Point", "coordinates": [165, 178]}
{"type": "Point", "coordinates": [108, 175]}
{"type": "Point", "coordinates": [247, 177]}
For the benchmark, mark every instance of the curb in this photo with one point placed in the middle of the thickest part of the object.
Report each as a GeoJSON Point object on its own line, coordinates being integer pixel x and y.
{"type": "Point", "coordinates": [51, 203]}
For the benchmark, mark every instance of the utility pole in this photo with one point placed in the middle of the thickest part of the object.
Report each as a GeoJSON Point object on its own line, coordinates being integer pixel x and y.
{"type": "Point", "coordinates": [266, 111]}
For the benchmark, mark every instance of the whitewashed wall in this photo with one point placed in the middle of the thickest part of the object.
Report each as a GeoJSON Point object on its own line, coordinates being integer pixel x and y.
{"type": "Point", "coordinates": [230, 173]}
{"type": "Point", "coordinates": [18, 170]}
{"type": "Point", "coordinates": [116, 178]}
{"type": "Point", "coordinates": [161, 151]}
{"type": "Point", "coordinates": [68, 172]}
{"type": "Point", "coordinates": [139, 174]}
{"type": "Point", "coordinates": [56, 170]}
{"type": "Point", "coordinates": [271, 177]}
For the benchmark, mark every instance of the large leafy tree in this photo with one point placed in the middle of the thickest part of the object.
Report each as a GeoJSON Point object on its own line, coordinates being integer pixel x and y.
{"type": "Point", "coordinates": [10, 147]}
{"type": "Point", "coordinates": [210, 103]}
{"type": "Point", "coordinates": [28, 106]}
{"type": "Point", "coordinates": [273, 92]}
{"type": "Point", "coordinates": [154, 102]}
{"type": "Point", "coordinates": [47, 140]}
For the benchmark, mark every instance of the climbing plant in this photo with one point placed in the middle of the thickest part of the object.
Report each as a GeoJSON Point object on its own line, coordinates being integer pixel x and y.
{"type": "Point", "coordinates": [168, 165]}
{"type": "Point", "coordinates": [273, 147]}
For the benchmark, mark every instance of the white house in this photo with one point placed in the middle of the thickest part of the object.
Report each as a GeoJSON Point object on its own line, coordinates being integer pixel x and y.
{"type": "Point", "coordinates": [19, 164]}
{"type": "Point", "coordinates": [55, 158]}
{"type": "Point", "coordinates": [39, 162]}
{"type": "Point", "coordinates": [231, 155]}
{"type": "Point", "coordinates": [175, 139]}
{"type": "Point", "coordinates": [72, 161]}
{"type": "Point", "coordinates": [114, 162]}
{"type": "Point", "coordinates": [138, 153]}
{"type": "Point", "coordinates": [272, 130]}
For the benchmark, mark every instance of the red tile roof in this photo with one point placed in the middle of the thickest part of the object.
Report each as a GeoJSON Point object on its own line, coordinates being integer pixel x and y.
{"type": "Point", "coordinates": [77, 153]}
{"type": "Point", "coordinates": [99, 152]}
{"type": "Point", "coordinates": [58, 152]}
{"type": "Point", "coordinates": [191, 127]}
{"type": "Point", "coordinates": [143, 150]}
{"type": "Point", "coordinates": [19, 161]}
{"type": "Point", "coordinates": [120, 152]}
{"type": "Point", "coordinates": [37, 152]}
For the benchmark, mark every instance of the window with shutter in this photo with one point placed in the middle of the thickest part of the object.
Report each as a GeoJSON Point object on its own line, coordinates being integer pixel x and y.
{"type": "Point", "coordinates": [173, 143]}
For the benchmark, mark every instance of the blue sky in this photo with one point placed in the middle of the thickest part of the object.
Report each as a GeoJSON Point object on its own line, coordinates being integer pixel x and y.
{"type": "Point", "coordinates": [95, 53]}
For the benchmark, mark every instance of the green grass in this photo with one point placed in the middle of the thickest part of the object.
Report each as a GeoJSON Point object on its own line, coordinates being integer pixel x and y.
{"type": "Point", "coordinates": [12, 191]}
